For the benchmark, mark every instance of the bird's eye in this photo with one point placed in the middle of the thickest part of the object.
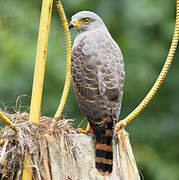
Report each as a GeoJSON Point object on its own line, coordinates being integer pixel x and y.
{"type": "Point", "coordinates": [86, 20]}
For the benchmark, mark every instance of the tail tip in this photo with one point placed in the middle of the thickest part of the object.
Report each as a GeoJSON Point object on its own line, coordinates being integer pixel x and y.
{"type": "Point", "coordinates": [104, 169]}
{"type": "Point", "coordinates": [104, 173]}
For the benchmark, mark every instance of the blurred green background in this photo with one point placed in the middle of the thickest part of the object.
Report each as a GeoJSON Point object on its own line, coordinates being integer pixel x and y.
{"type": "Point", "coordinates": [143, 29]}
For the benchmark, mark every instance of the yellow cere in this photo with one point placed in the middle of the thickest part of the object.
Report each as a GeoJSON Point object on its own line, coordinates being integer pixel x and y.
{"type": "Point", "coordinates": [79, 23]}
{"type": "Point", "coordinates": [76, 23]}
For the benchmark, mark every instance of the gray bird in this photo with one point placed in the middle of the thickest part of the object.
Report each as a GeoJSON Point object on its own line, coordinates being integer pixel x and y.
{"type": "Point", "coordinates": [98, 75]}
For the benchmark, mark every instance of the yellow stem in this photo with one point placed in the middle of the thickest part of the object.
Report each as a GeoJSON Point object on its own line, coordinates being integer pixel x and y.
{"type": "Point", "coordinates": [38, 76]}
{"type": "Point", "coordinates": [7, 121]}
{"type": "Point", "coordinates": [68, 47]}
{"type": "Point", "coordinates": [160, 78]}
{"type": "Point", "coordinates": [40, 61]}
{"type": "Point", "coordinates": [27, 169]}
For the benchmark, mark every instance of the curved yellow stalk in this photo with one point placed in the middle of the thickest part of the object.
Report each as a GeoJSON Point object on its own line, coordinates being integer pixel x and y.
{"type": "Point", "coordinates": [68, 47]}
{"type": "Point", "coordinates": [2, 141]}
{"type": "Point", "coordinates": [159, 80]}
{"type": "Point", "coordinates": [7, 121]}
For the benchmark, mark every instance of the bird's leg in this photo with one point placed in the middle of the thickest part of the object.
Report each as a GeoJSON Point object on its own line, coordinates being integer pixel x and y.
{"type": "Point", "coordinates": [87, 130]}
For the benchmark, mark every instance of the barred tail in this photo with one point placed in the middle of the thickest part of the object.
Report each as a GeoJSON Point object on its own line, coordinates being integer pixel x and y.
{"type": "Point", "coordinates": [104, 154]}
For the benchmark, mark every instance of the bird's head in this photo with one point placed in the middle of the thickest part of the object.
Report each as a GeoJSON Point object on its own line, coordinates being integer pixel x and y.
{"type": "Point", "coordinates": [85, 21]}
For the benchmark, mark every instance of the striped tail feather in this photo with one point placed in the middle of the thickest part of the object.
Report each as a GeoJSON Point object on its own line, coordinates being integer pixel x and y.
{"type": "Point", "coordinates": [104, 154]}
{"type": "Point", "coordinates": [103, 132]}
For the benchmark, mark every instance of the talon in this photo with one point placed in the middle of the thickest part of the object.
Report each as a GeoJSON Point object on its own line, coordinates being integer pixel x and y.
{"type": "Point", "coordinates": [87, 130]}
{"type": "Point", "coordinates": [120, 125]}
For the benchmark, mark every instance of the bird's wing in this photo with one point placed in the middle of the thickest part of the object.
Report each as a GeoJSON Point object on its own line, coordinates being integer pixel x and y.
{"type": "Point", "coordinates": [98, 69]}
{"type": "Point", "coordinates": [105, 57]}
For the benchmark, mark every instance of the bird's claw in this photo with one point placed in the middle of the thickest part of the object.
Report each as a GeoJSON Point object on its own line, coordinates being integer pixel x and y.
{"type": "Point", "coordinates": [120, 125]}
{"type": "Point", "coordinates": [87, 130]}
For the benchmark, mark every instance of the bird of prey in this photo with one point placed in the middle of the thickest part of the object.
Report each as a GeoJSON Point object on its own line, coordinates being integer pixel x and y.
{"type": "Point", "coordinates": [98, 74]}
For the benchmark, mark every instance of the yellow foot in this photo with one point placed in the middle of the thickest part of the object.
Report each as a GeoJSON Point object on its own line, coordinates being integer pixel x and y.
{"type": "Point", "coordinates": [87, 130]}
{"type": "Point", "coordinates": [120, 125]}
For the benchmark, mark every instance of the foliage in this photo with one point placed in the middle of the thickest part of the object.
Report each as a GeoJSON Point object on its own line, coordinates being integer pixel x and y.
{"type": "Point", "coordinates": [143, 29]}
